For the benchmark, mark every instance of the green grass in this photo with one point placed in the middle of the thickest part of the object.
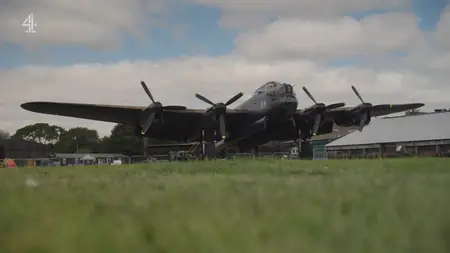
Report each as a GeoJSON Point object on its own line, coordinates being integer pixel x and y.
{"type": "Point", "coordinates": [353, 206]}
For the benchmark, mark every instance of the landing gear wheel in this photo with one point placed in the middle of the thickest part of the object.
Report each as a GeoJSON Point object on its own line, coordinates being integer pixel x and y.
{"type": "Point", "coordinates": [223, 155]}
{"type": "Point", "coordinates": [256, 152]}
{"type": "Point", "coordinates": [306, 149]}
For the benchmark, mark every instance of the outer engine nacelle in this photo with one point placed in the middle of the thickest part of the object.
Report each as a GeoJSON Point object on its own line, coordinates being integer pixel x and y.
{"type": "Point", "coordinates": [351, 120]}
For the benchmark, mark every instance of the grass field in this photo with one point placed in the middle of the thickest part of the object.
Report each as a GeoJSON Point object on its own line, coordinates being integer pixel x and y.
{"type": "Point", "coordinates": [251, 206]}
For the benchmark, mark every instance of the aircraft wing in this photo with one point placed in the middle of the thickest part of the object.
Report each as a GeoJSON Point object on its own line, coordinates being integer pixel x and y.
{"type": "Point", "coordinates": [107, 113]}
{"type": "Point", "coordinates": [126, 114]}
{"type": "Point", "coordinates": [380, 110]}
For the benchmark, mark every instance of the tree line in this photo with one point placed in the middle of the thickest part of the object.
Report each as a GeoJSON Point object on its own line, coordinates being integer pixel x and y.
{"type": "Point", "coordinates": [81, 139]}
{"type": "Point", "coordinates": [84, 140]}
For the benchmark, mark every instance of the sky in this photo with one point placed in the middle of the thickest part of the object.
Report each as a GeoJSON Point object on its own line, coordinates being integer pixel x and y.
{"type": "Point", "coordinates": [393, 51]}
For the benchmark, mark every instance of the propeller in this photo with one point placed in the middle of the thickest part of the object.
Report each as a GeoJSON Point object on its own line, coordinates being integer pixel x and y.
{"type": "Point", "coordinates": [218, 110]}
{"type": "Point", "coordinates": [363, 109]}
{"type": "Point", "coordinates": [328, 107]}
{"type": "Point", "coordinates": [318, 109]}
{"type": "Point", "coordinates": [155, 108]}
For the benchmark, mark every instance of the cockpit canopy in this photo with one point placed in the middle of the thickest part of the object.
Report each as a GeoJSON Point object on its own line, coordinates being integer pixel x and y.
{"type": "Point", "coordinates": [269, 86]}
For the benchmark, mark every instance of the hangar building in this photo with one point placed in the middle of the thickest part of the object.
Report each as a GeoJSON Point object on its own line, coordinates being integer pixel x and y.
{"type": "Point", "coordinates": [21, 149]}
{"type": "Point", "coordinates": [420, 135]}
{"type": "Point", "coordinates": [319, 142]}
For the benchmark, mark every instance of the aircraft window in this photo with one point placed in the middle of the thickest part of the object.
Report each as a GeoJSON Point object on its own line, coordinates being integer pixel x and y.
{"type": "Point", "coordinates": [288, 88]}
{"type": "Point", "coordinates": [270, 85]}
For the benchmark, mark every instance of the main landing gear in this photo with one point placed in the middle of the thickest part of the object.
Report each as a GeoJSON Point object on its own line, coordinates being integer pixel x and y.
{"type": "Point", "coordinates": [304, 146]}
{"type": "Point", "coordinates": [305, 149]}
{"type": "Point", "coordinates": [145, 147]}
{"type": "Point", "coordinates": [303, 140]}
{"type": "Point", "coordinates": [255, 151]}
{"type": "Point", "coordinates": [207, 146]}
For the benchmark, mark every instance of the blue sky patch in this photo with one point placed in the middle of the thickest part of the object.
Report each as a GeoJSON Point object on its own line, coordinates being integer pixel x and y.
{"type": "Point", "coordinates": [190, 30]}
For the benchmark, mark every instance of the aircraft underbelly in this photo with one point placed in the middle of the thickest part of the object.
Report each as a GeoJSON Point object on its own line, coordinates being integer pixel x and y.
{"type": "Point", "coordinates": [282, 130]}
{"type": "Point", "coordinates": [170, 131]}
{"type": "Point", "coordinates": [274, 130]}
{"type": "Point", "coordinates": [278, 131]}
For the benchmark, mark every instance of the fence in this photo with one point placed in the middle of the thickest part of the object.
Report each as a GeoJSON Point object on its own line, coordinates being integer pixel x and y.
{"type": "Point", "coordinates": [56, 162]}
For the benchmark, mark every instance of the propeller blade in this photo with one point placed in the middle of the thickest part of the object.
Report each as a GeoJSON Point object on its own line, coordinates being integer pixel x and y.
{"type": "Point", "coordinates": [334, 106]}
{"type": "Point", "coordinates": [233, 99]}
{"type": "Point", "coordinates": [361, 125]}
{"type": "Point", "coordinates": [202, 98]}
{"type": "Point", "coordinates": [317, 122]}
{"type": "Point", "coordinates": [294, 124]}
{"type": "Point", "coordinates": [222, 126]}
{"type": "Point", "coordinates": [309, 94]}
{"type": "Point", "coordinates": [149, 94]}
{"type": "Point", "coordinates": [357, 93]}
{"type": "Point", "coordinates": [362, 122]}
{"type": "Point", "coordinates": [148, 123]}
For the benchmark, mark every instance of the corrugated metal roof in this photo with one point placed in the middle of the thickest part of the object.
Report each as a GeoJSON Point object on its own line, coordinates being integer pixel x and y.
{"type": "Point", "coordinates": [427, 127]}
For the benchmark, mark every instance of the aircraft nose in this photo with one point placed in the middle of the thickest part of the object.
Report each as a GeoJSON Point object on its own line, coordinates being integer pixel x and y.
{"type": "Point", "coordinates": [290, 104]}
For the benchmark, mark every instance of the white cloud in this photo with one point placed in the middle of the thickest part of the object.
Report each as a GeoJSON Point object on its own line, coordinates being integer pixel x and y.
{"type": "Point", "coordinates": [345, 37]}
{"type": "Point", "coordinates": [431, 54]}
{"type": "Point", "coordinates": [251, 13]}
{"type": "Point", "coordinates": [99, 23]}
{"type": "Point", "coordinates": [285, 46]}
{"type": "Point", "coordinates": [217, 78]}
{"type": "Point", "coordinates": [443, 29]}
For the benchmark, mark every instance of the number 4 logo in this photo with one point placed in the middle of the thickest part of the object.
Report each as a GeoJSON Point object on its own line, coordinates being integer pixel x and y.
{"type": "Point", "coordinates": [29, 23]}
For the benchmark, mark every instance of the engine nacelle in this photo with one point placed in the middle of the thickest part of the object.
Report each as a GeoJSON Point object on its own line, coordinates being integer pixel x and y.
{"type": "Point", "coordinates": [351, 120]}
{"type": "Point", "coordinates": [306, 122]}
{"type": "Point", "coordinates": [251, 133]}
{"type": "Point", "coordinates": [326, 127]}
{"type": "Point", "coordinates": [255, 127]}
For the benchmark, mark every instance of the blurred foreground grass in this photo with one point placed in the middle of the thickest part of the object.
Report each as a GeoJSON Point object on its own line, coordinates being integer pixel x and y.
{"type": "Point", "coordinates": [249, 206]}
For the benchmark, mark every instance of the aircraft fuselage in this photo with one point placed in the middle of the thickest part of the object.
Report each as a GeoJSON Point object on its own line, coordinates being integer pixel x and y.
{"type": "Point", "coordinates": [276, 103]}
{"type": "Point", "coordinates": [272, 104]}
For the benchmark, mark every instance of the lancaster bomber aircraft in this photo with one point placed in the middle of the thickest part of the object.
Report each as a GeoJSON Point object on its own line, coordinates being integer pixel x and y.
{"type": "Point", "coordinates": [270, 114]}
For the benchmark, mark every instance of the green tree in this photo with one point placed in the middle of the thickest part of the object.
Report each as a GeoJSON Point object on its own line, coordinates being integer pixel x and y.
{"type": "Point", "coordinates": [42, 133]}
{"type": "Point", "coordinates": [3, 136]}
{"type": "Point", "coordinates": [78, 139]}
{"type": "Point", "coordinates": [123, 139]}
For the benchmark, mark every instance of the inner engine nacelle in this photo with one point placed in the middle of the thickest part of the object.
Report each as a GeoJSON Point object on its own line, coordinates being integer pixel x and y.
{"type": "Point", "coordinates": [255, 127]}
{"type": "Point", "coordinates": [351, 120]}
{"type": "Point", "coordinates": [248, 134]}
{"type": "Point", "coordinates": [326, 127]}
